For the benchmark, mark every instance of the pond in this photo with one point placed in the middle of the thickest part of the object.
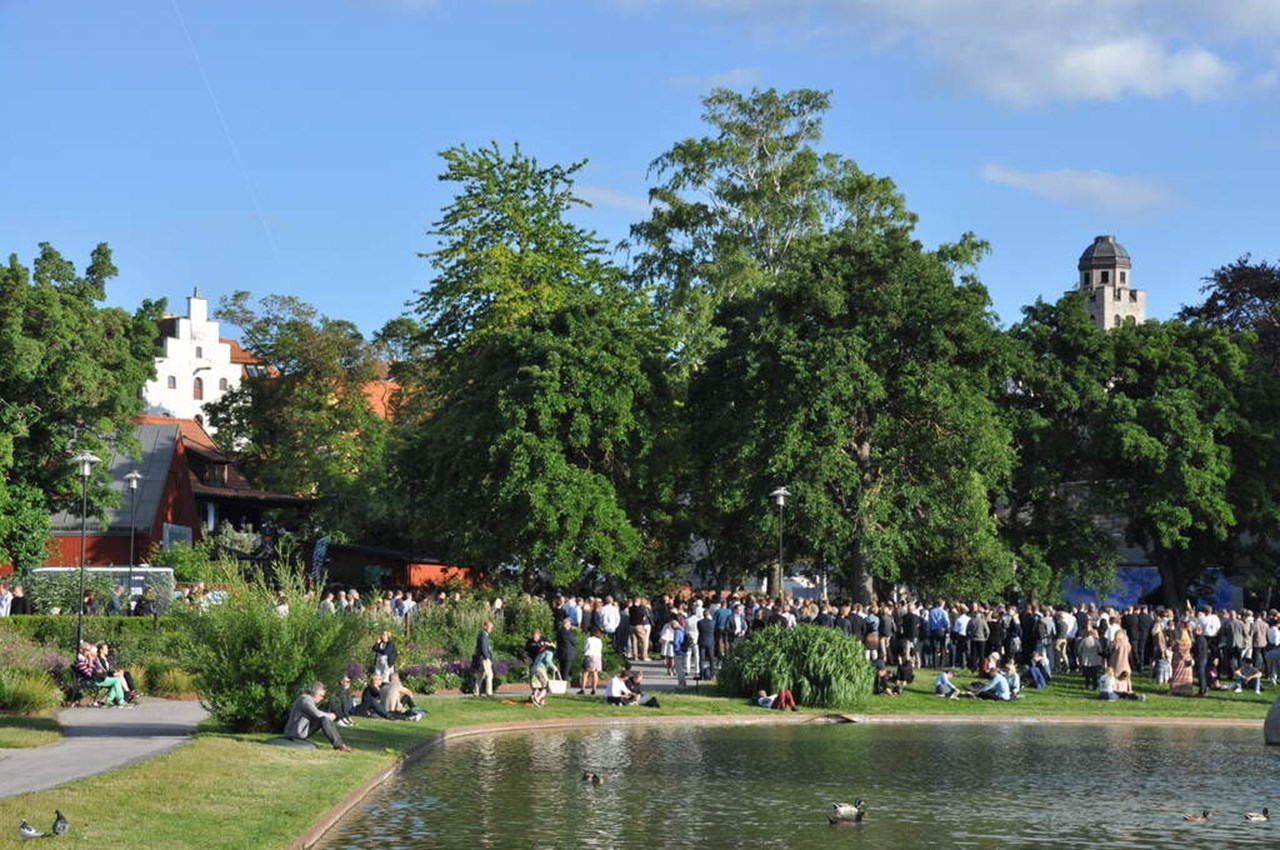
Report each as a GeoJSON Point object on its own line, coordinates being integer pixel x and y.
{"type": "Point", "coordinates": [924, 786]}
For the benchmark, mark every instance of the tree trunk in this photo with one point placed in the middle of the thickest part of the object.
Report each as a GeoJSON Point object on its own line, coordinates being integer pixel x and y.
{"type": "Point", "coordinates": [860, 583]}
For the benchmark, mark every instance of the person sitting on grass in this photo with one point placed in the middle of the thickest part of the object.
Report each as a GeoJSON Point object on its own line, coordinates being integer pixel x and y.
{"type": "Point", "coordinates": [1038, 671]}
{"type": "Point", "coordinates": [781, 700]}
{"type": "Point", "coordinates": [1248, 676]}
{"type": "Point", "coordinates": [997, 689]}
{"type": "Point", "coordinates": [883, 685]}
{"type": "Point", "coordinates": [397, 700]}
{"type": "Point", "coordinates": [1124, 687]}
{"type": "Point", "coordinates": [1015, 681]}
{"type": "Point", "coordinates": [616, 691]}
{"type": "Point", "coordinates": [343, 703]}
{"type": "Point", "coordinates": [305, 717]}
{"type": "Point", "coordinates": [1107, 685]}
{"type": "Point", "coordinates": [944, 687]}
{"type": "Point", "coordinates": [371, 699]}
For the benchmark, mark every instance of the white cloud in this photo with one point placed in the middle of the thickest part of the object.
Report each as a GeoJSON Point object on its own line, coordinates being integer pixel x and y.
{"type": "Point", "coordinates": [1097, 190]}
{"type": "Point", "coordinates": [736, 78]}
{"type": "Point", "coordinates": [603, 196]}
{"type": "Point", "coordinates": [1033, 52]}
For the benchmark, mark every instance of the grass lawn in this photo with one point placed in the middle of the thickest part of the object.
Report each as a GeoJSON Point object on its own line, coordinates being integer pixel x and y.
{"type": "Point", "coordinates": [17, 732]}
{"type": "Point", "coordinates": [232, 791]}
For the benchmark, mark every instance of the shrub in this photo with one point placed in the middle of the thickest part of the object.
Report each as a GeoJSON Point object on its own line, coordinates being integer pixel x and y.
{"type": "Point", "coordinates": [822, 667]}
{"type": "Point", "coordinates": [59, 589]}
{"type": "Point", "coordinates": [171, 683]}
{"type": "Point", "coordinates": [451, 627]}
{"type": "Point", "coordinates": [27, 691]}
{"type": "Point", "coordinates": [520, 617]}
{"type": "Point", "coordinates": [250, 661]}
{"type": "Point", "coordinates": [131, 638]}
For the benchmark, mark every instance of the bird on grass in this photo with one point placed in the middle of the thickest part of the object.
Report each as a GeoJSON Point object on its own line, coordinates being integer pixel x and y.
{"type": "Point", "coordinates": [60, 825]}
{"type": "Point", "coordinates": [847, 812]}
{"type": "Point", "coordinates": [1203, 817]}
{"type": "Point", "coordinates": [1265, 814]}
{"type": "Point", "coordinates": [26, 830]}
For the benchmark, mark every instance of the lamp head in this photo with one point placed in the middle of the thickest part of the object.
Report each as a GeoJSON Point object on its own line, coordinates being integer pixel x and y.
{"type": "Point", "coordinates": [780, 496]}
{"type": "Point", "coordinates": [85, 461]}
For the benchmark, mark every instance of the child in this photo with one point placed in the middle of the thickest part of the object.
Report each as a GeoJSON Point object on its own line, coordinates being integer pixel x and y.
{"type": "Point", "coordinates": [944, 687]}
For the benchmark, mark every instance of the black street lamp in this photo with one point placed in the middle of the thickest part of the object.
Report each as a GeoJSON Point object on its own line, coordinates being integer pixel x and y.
{"type": "Point", "coordinates": [132, 480]}
{"type": "Point", "coordinates": [779, 497]}
{"type": "Point", "coordinates": [84, 461]}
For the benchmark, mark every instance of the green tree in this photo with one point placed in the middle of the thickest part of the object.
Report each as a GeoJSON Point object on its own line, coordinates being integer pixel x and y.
{"type": "Point", "coordinates": [733, 207]}
{"type": "Point", "coordinates": [306, 427]}
{"type": "Point", "coordinates": [1060, 366]}
{"type": "Point", "coordinates": [1243, 296]}
{"type": "Point", "coordinates": [533, 453]}
{"type": "Point", "coordinates": [72, 378]}
{"type": "Point", "coordinates": [862, 382]}
{"type": "Point", "coordinates": [505, 248]}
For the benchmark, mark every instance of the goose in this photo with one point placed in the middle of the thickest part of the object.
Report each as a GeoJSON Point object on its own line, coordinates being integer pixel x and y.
{"type": "Point", "coordinates": [1265, 814]}
{"type": "Point", "coordinates": [1200, 818]}
{"type": "Point", "coordinates": [60, 824]}
{"type": "Point", "coordinates": [586, 776]}
{"type": "Point", "coordinates": [26, 830]}
{"type": "Point", "coordinates": [597, 779]}
{"type": "Point", "coordinates": [847, 812]}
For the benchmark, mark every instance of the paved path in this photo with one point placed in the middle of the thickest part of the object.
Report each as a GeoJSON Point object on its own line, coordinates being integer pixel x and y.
{"type": "Point", "coordinates": [97, 740]}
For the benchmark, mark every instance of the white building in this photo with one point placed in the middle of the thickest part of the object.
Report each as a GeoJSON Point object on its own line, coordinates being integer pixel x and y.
{"type": "Point", "coordinates": [1106, 275]}
{"type": "Point", "coordinates": [198, 366]}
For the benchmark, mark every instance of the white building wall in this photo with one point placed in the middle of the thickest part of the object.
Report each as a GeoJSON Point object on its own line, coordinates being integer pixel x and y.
{"type": "Point", "coordinates": [194, 353]}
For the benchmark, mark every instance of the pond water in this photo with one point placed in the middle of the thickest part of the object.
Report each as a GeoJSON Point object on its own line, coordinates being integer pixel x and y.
{"type": "Point", "coordinates": [924, 786]}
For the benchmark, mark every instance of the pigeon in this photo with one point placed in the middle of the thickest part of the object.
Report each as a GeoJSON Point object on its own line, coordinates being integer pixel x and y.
{"type": "Point", "coordinates": [60, 824]}
{"type": "Point", "coordinates": [26, 830]}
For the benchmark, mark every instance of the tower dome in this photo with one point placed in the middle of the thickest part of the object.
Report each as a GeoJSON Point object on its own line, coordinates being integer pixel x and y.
{"type": "Point", "coordinates": [1104, 253]}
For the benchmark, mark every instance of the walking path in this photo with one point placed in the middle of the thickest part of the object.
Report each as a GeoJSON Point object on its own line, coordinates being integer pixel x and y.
{"type": "Point", "coordinates": [97, 740]}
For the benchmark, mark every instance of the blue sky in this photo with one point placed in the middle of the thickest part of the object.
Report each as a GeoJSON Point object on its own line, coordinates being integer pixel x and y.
{"type": "Point", "coordinates": [291, 147]}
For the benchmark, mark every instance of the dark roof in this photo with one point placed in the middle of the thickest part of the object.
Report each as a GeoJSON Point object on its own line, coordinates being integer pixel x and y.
{"type": "Point", "coordinates": [1105, 252]}
{"type": "Point", "coordinates": [158, 442]}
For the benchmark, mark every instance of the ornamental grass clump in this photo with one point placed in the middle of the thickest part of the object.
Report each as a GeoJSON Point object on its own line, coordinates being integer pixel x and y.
{"type": "Point", "coordinates": [822, 667]}
{"type": "Point", "coordinates": [27, 691]}
{"type": "Point", "coordinates": [254, 652]}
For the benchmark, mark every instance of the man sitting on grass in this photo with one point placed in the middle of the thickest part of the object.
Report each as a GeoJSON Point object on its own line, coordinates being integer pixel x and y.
{"type": "Point", "coordinates": [305, 717]}
{"type": "Point", "coordinates": [616, 692]}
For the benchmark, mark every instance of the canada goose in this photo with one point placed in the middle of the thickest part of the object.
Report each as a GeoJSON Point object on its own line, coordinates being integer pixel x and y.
{"type": "Point", "coordinates": [1265, 814]}
{"type": "Point", "coordinates": [847, 812]}
{"type": "Point", "coordinates": [597, 779]}
{"type": "Point", "coordinates": [1200, 818]}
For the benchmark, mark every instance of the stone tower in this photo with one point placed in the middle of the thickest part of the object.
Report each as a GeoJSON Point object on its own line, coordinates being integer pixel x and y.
{"type": "Point", "coordinates": [1106, 278]}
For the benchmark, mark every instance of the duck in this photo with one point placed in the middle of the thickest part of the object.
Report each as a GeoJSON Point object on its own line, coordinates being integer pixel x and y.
{"type": "Point", "coordinates": [586, 776]}
{"type": "Point", "coordinates": [597, 779]}
{"type": "Point", "coordinates": [26, 830]}
{"type": "Point", "coordinates": [1203, 817]}
{"type": "Point", "coordinates": [1265, 814]}
{"type": "Point", "coordinates": [847, 812]}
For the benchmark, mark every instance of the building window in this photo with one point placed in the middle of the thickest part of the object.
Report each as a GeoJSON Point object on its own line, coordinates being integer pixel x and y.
{"type": "Point", "coordinates": [1084, 278]}
{"type": "Point", "coordinates": [1133, 295]}
{"type": "Point", "coordinates": [1116, 321]}
{"type": "Point", "coordinates": [1119, 293]}
{"type": "Point", "coordinates": [224, 384]}
{"type": "Point", "coordinates": [197, 389]}
{"type": "Point", "coordinates": [1130, 320]}
{"type": "Point", "coordinates": [1103, 277]}
{"type": "Point", "coordinates": [1124, 277]}
{"type": "Point", "coordinates": [173, 382]}
{"type": "Point", "coordinates": [199, 353]}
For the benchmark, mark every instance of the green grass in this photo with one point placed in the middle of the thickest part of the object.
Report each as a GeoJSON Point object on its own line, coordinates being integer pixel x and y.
{"type": "Point", "coordinates": [232, 791]}
{"type": "Point", "coordinates": [17, 732]}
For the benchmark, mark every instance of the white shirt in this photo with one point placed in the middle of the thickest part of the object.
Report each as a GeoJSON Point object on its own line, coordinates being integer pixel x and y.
{"type": "Point", "coordinates": [611, 618]}
{"type": "Point", "coordinates": [616, 688]}
{"type": "Point", "coordinates": [594, 647]}
{"type": "Point", "coordinates": [1212, 625]}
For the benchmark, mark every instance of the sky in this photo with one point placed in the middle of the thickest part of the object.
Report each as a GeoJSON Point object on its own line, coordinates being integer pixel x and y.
{"type": "Point", "coordinates": [292, 146]}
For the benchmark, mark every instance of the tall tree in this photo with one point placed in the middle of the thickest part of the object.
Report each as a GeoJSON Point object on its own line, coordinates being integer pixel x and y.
{"type": "Point", "coordinates": [72, 378]}
{"type": "Point", "coordinates": [306, 427]}
{"type": "Point", "coordinates": [1243, 296]}
{"type": "Point", "coordinates": [734, 205]}
{"type": "Point", "coordinates": [863, 383]}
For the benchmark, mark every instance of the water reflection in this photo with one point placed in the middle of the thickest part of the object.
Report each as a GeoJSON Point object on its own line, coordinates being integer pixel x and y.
{"type": "Point", "coordinates": [953, 786]}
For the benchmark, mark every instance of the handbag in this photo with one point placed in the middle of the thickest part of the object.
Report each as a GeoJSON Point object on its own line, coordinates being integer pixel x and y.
{"type": "Point", "coordinates": [557, 686]}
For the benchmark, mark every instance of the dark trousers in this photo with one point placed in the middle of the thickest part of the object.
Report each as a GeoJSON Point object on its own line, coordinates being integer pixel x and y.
{"type": "Point", "coordinates": [1202, 676]}
{"type": "Point", "coordinates": [977, 651]}
{"type": "Point", "coordinates": [960, 648]}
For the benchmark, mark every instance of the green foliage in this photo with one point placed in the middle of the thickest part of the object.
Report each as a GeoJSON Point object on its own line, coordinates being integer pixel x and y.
{"type": "Point", "coordinates": [822, 667]}
{"type": "Point", "coordinates": [27, 691]}
{"type": "Point", "coordinates": [451, 627]}
{"type": "Point", "coordinates": [522, 614]}
{"type": "Point", "coordinates": [131, 638]}
{"type": "Point", "coordinates": [171, 683]}
{"type": "Point", "coordinates": [250, 662]}
{"type": "Point", "coordinates": [24, 525]}
{"type": "Point", "coordinates": [59, 589]}
{"type": "Point", "coordinates": [73, 374]}
{"type": "Point", "coordinates": [190, 562]}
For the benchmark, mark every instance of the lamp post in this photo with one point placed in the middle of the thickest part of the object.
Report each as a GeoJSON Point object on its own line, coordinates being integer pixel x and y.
{"type": "Point", "coordinates": [85, 461]}
{"type": "Point", "coordinates": [779, 497]}
{"type": "Point", "coordinates": [132, 480]}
